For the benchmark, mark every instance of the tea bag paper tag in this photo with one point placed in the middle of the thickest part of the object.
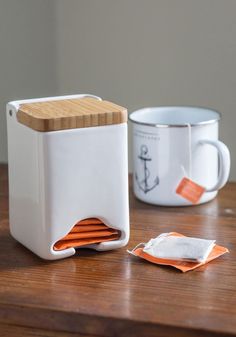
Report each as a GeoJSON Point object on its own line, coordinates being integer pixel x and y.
{"type": "Point", "coordinates": [190, 190]}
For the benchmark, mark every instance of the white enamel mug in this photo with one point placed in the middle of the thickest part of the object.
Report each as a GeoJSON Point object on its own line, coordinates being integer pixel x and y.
{"type": "Point", "coordinates": [170, 143]}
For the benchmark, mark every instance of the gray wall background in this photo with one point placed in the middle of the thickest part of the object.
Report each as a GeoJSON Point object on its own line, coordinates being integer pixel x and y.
{"type": "Point", "coordinates": [27, 54]}
{"type": "Point", "coordinates": [137, 53]}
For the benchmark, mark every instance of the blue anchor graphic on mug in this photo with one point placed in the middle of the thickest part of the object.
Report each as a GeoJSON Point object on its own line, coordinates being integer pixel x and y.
{"type": "Point", "coordinates": [143, 184]}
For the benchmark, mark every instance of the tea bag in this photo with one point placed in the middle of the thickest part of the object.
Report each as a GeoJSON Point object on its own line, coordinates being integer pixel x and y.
{"type": "Point", "coordinates": [87, 232]}
{"type": "Point", "coordinates": [176, 250]}
{"type": "Point", "coordinates": [188, 188]}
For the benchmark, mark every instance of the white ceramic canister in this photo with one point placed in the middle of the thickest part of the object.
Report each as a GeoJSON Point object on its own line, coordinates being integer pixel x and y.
{"type": "Point", "coordinates": [67, 162]}
{"type": "Point", "coordinates": [170, 143]}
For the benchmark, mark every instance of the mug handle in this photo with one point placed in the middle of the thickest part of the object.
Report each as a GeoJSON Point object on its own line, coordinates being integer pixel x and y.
{"type": "Point", "coordinates": [224, 163]}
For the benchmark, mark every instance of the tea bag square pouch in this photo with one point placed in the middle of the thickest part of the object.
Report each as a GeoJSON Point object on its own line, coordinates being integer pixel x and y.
{"type": "Point", "coordinates": [179, 248]}
{"type": "Point", "coordinates": [68, 174]}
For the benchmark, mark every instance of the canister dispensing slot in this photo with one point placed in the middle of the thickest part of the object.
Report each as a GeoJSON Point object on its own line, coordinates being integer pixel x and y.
{"type": "Point", "coordinates": [86, 232]}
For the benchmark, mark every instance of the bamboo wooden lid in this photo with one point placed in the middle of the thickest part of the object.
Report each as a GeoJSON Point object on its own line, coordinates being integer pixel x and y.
{"type": "Point", "coordinates": [70, 114]}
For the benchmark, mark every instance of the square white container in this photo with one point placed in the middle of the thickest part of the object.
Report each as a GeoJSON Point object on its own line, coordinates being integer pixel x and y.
{"type": "Point", "coordinates": [58, 178]}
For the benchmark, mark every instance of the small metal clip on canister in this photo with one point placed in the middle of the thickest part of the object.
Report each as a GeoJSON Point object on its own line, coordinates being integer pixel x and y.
{"type": "Point", "coordinates": [68, 174]}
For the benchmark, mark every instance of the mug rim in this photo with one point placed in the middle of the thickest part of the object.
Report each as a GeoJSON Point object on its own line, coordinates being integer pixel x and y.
{"type": "Point", "coordinates": [166, 125]}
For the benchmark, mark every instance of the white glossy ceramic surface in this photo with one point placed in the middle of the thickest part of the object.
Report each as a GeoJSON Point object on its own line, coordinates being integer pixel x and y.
{"type": "Point", "coordinates": [59, 178]}
{"type": "Point", "coordinates": [170, 143]}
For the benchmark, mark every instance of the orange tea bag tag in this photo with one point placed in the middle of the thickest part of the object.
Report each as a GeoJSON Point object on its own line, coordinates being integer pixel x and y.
{"type": "Point", "coordinates": [190, 190]}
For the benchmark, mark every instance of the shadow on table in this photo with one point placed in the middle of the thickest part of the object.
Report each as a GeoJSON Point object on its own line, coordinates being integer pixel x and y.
{"type": "Point", "coordinates": [14, 255]}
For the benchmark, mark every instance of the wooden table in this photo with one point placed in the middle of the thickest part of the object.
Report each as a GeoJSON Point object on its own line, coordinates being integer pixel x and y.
{"type": "Point", "coordinates": [115, 294]}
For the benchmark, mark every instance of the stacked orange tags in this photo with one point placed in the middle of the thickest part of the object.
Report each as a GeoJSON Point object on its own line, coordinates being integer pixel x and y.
{"type": "Point", "coordinates": [184, 265]}
{"type": "Point", "coordinates": [87, 232]}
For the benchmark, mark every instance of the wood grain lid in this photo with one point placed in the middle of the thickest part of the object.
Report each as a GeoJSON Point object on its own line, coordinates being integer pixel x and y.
{"type": "Point", "coordinates": [70, 114]}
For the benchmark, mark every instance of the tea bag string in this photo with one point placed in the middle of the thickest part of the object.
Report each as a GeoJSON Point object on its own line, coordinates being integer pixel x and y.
{"type": "Point", "coordinates": [187, 172]}
{"type": "Point", "coordinates": [189, 150]}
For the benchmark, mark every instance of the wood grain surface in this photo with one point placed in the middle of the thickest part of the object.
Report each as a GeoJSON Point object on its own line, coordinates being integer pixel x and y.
{"type": "Point", "coordinates": [70, 114]}
{"type": "Point", "coordinates": [115, 294]}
